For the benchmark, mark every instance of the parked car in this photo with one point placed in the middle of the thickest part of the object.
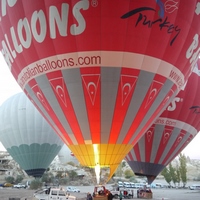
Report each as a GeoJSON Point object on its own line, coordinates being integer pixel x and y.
{"type": "Point", "coordinates": [72, 189]}
{"type": "Point", "coordinates": [19, 185]}
{"type": "Point", "coordinates": [1, 184]}
{"type": "Point", "coordinates": [159, 185]}
{"type": "Point", "coordinates": [194, 187]}
{"type": "Point", "coordinates": [7, 185]}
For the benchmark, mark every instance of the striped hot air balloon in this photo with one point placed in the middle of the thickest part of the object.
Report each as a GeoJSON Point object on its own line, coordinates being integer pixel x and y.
{"type": "Point", "coordinates": [26, 135]}
{"type": "Point", "coordinates": [170, 133]}
{"type": "Point", "coordinates": [101, 71]}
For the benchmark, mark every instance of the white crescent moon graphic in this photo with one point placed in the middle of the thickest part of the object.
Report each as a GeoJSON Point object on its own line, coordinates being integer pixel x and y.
{"type": "Point", "coordinates": [153, 93]}
{"type": "Point", "coordinates": [90, 84]}
{"type": "Point", "coordinates": [40, 97]}
{"type": "Point", "coordinates": [58, 87]}
{"type": "Point", "coordinates": [126, 85]}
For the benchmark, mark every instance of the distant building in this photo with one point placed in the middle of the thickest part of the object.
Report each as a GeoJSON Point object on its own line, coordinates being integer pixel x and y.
{"type": "Point", "coordinates": [5, 158]}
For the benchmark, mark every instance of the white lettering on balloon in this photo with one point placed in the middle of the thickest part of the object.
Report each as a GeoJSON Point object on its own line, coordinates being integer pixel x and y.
{"type": "Point", "coordinates": [22, 36]}
{"type": "Point", "coordinates": [172, 105]}
{"type": "Point", "coordinates": [165, 121]}
{"type": "Point", "coordinates": [193, 51]}
{"type": "Point", "coordinates": [4, 4]}
{"type": "Point", "coordinates": [192, 54]}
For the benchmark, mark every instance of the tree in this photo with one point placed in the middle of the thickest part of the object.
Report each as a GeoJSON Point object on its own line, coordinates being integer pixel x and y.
{"type": "Point", "coordinates": [183, 168]}
{"type": "Point", "coordinates": [72, 174]}
{"type": "Point", "coordinates": [119, 171]}
{"type": "Point", "coordinates": [128, 173]}
{"type": "Point", "coordinates": [59, 174]}
{"type": "Point", "coordinates": [173, 174]}
{"type": "Point", "coordinates": [178, 175]}
{"type": "Point", "coordinates": [124, 163]}
{"type": "Point", "coordinates": [166, 175]}
{"type": "Point", "coordinates": [35, 184]}
{"type": "Point", "coordinates": [133, 179]}
{"type": "Point", "coordinates": [18, 179]}
{"type": "Point", "coordinates": [71, 163]}
{"type": "Point", "coordinates": [9, 179]}
{"type": "Point", "coordinates": [64, 181]}
{"type": "Point", "coordinates": [47, 177]}
{"type": "Point", "coordinates": [196, 163]}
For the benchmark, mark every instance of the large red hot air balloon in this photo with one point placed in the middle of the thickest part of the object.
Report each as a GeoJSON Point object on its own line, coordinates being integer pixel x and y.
{"type": "Point", "coordinates": [100, 72]}
{"type": "Point", "coordinates": [170, 133]}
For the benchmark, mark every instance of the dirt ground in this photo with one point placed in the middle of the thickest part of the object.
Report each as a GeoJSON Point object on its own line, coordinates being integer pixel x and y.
{"type": "Point", "coordinates": [22, 194]}
{"type": "Point", "coordinates": [159, 194]}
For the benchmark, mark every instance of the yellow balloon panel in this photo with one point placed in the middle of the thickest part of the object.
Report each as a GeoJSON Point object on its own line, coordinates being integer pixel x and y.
{"type": "Point", "coordinates": [103, 154]}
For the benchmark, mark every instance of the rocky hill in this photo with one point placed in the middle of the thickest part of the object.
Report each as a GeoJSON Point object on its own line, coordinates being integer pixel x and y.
{"type": "Point", "coordinates": [13, 169]}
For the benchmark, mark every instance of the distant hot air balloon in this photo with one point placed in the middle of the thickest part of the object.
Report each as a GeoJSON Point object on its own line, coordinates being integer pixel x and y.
{"type": "Point", "coordinates": [101, 71]}
{"type": "Point", "coordinates": [27, 136]}
{"type": "Point", "coordinates": [170, 133]}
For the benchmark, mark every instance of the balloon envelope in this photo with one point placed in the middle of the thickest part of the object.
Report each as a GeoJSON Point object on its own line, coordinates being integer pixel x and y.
{"type": "Point", "coordinates": [170, 133]}
{"type": "Point", "coordinates": [27, 136]}
{"type": "Point", "coordinates": [98, 71]}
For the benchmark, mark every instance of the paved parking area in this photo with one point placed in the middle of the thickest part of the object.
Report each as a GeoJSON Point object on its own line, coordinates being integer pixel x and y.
{"type": "Point", "coordinates": [176, 194]}
{"type": "Point", "coordinates": [158, 194]}
{"type": "Point", "coordinates": [22, 194]}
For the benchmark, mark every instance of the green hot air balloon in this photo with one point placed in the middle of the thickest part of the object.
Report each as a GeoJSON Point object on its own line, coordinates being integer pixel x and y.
{"type": "Point", "coordinates": [27, 136]}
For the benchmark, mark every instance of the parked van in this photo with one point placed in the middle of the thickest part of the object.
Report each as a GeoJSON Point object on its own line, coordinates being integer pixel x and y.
{"type": "Point", "coordinates": [132, 185]}
{"type": "Point", "coordinates": [127, 185]}
{"type": "Point", "coordinates": [53, 194]}
{"type": "Point", "coordinates": [120, 184]}
{"type": "Point", "coordinates": [139, 185]}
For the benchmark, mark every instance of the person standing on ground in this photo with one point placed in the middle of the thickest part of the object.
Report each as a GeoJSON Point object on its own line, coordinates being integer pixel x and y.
{"type": "Point", "coordinates": [120, 195]}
